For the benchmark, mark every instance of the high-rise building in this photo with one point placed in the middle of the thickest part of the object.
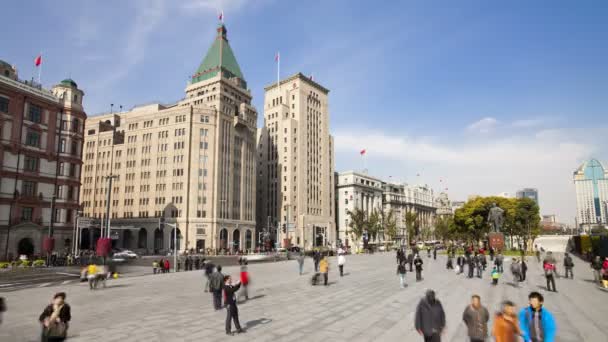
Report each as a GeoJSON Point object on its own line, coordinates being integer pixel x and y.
{"type": "Point", "coordinates": [530, 193]}
{"type": "Point", "coordinates": [41, 134]}
{"type": "Point", "coordinates": [190, 164]}
{"type": "Point", "coordinates": [296, 165]}
{"type": "Point", "coordinates": [355, 190]}
{"type": "Point", "coordinates": [591, 183]}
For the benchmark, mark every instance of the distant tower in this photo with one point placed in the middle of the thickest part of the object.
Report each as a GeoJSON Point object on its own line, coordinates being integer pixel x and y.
{"type": "Point", "coordinates": [69, 92]}
{"type": "Point", "coordinates": [591, 183]}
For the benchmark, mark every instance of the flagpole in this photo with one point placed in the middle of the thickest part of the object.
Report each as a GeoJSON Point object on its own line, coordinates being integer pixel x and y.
{"type": "Point", "coordinates": [40, 71]}
{"type": "Point", "coordinates": [279, 71]}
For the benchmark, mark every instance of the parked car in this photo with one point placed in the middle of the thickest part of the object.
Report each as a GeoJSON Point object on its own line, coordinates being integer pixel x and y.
{"type": "Point", "coordinates": [125, 254]}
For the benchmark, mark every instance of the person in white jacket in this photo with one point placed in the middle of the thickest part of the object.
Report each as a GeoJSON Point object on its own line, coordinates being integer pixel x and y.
{"type": "Point", "coordinates": [341, 260]}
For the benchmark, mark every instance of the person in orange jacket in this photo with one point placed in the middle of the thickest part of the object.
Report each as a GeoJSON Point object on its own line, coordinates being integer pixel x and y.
{"type": "Point", "coordinates": [505, 327]}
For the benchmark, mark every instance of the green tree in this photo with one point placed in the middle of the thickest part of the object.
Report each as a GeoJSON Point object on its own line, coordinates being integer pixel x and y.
{"type": "Point", "coordinates": [443, 226]}
{"type": "Point", "coordinates": [390, 226]}
{"type": "Point", "coordinates": [526, 220]}
{"type": "Point", "coordinates": [411, 220]}
{"type": "Point", "coordinates": [374, 224]}
{"type": "Point", "coordinates": [471, 221]}
{"type": "Point", "coordinates": [357, 223]}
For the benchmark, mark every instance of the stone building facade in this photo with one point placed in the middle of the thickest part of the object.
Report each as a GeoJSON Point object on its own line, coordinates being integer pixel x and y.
{"type": "Point", "coordinates": [41, 135]}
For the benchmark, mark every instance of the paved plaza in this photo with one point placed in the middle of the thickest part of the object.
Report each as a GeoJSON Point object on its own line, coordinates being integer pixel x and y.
{"type": "Point", "coordinates": [365, 305]}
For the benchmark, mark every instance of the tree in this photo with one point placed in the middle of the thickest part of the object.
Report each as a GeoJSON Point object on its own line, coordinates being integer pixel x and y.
{"type": "Point", "coordinates": [357, 222]}
{"type": "Point", "coordinates": [390, 225]}
{"type": "Point", "coordinates": [526, 219]}
{"type": "Point", "coordinates": [411, 219]}
{"type": "Point", "coordinates": [374, 224]}
{"type": "Point", "coordinates": [443, 228]}
{"type": "Point", "coordinates": [471, 221]}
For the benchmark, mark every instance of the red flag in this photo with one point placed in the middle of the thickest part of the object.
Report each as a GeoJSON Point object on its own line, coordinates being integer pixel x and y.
{"type": "Point", "coordinates": [277, 57]}
{"type": "Point", "coordinates": [38, 60]}
{"type": "Point", "coordinates": [362, 152]}
{"type": "Point", "coordinates": [221, 16]}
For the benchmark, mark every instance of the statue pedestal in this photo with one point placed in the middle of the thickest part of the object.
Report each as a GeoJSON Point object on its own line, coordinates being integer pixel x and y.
{"type": "Point", "coordinates": [497, 240]}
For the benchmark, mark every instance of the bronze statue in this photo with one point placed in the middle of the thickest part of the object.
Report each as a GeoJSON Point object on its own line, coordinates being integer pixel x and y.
{"type": "Point", "coordinates": [496, 218]}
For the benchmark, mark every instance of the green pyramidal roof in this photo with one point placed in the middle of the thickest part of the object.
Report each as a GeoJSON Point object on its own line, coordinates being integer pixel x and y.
{"type": "Point", "coordinates": [219, 57]}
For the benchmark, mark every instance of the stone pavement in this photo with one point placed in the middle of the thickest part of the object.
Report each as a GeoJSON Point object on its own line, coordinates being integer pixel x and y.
{"type": "Point", "coordinates": [365, 305]}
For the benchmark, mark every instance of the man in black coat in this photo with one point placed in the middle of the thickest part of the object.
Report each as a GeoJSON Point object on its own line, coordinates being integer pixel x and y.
{"type": "Point", "coordinates": [216, 284]}
{"type": "Point", "coordinates": [430, 318]}
{"type": "Point", "coordinates": [471, 265]}
{"type": "Point", "coordinates": [316, 257]}
{"type": "Point", "coordinates": [232, 311]}
{"type": "Point", "coordinates": [568, 264]}
{"type": "Point", "coordinates": [524, 269]}
{"type": "Point", "coordinates": [418, 264]}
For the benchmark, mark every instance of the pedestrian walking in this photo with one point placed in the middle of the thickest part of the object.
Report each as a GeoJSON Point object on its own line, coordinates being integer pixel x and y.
{"type": "Point", "coordinates": [495, 276]}
{"type": "Point", "coordinates": [244, 280]}
{"type": "Point", "coordinates": [430, 318]}
{"type": "Point", "coordinates": [55, 319]}
{"type": "Point", "coordinates": [316, 257]}
{"type": "Point", "coordinates": [596, 265]}
{"type": "Point", "coordinates": [515, 271]}
{"type": "Point", "coordinates": [450, 264]}
{"type": "Point", "coordinates": [428, 252]}
{"type": "Point", "coordinates": [498, 261]}
{"type": "Point", "coordinates": [301, 262]}
{"type": "Point", "coordinates": [216, 282]}
{"type": "Point", "coordinates": [232, 311]}
{"type": "Point", "coordinates": [435, 253]}
{"type": "Point", "coordinates": [418, 264]}
{"type": "Point", "coordinates": [550, 275]}
{"type": "Point", "coordinates": [324, 269]}
{"type": "Point", "coordinates": [154, 266]}
{"type": "Point", "coordinates": [505, 327]}
{"type": "Point", "coordinates": [187, 263]}
{"type": "Point", "coordinates": [401, 272]}
{"type": "Point", "coordinates": [410, 261]}
{"type": "Point", "coordinates": [208, 271]}
{"type": "Point", "coordinates": [460, 263]}
{"type": "Point", "coordinates": [536, 322]}
{"type": "Point", "coordinates": [537, 253]}
{"type": "Point", "coordinates": [476, 317]}
{"type": "Point", "coordinates": [491, 253]}
{"type": "Point", "coordinates": [167, 266]}
{"type": "Point", "coordinates": [523, 269]}
{"type": "Point", "coordinates": [479, 265]}
{"type": "Point", "coordinates": [471, 265]}
{"type": "Point", "coordinates": [568, 265]}
{"type": "Point", "coordinates": [341, 261]}
{"type": "Point", "coordinates": [92, 275]}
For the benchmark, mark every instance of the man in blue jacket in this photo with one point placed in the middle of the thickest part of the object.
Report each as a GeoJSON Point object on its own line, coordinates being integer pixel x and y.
{"type": "Point", "coordinates": [537, 323]}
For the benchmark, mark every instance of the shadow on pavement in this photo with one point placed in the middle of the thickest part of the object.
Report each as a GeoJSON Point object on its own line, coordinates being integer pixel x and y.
{"type": "Point", "coordinates": [257, 296]}
{"type": "Point", "coordinates": [255, 322]}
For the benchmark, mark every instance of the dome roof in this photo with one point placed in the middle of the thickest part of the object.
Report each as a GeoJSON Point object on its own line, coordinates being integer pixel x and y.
{"type": "Point", "coordinates": [5, 64]}
{"type": "Point", "coordinates": [69, 82]}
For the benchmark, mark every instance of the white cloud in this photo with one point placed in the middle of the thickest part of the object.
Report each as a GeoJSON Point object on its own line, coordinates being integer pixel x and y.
{"type": "Point", "coordinates": [485, 125]}
{"type": "Point", "coordinates": [528, 123]}
{"type": "Point", "coordinates": [484, 166]}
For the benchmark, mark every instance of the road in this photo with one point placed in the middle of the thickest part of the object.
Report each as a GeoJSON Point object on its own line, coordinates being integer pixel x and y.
{"type": "Point", "coordinates": [365, 305]}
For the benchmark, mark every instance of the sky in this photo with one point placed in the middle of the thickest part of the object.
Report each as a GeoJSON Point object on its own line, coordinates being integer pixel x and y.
{"type": "Point", "coordinates": [474, 96]}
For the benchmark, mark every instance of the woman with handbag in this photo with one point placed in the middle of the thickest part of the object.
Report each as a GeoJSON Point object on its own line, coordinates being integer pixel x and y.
{"type": "Point", "coordinates": [55, 318]}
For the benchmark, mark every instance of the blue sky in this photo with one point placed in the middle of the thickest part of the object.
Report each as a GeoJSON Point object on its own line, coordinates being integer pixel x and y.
{"type": "Point", "coordinates": [489, 97]}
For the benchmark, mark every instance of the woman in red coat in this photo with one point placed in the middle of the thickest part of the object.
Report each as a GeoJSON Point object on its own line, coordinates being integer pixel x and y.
{"type": "Point", "coordinates": [244, 280]}
{"type": "Point", "coordinates": [166, 266]}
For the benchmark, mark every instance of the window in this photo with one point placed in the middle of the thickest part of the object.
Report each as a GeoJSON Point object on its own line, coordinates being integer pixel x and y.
{"type": "Point", "coordinates": [75, 124]}
{"type": "Point", "coordinates": [35, 113]}
{"type": "Point", "coordinates": [31, 163]}
{"type": "Point", "coordinates": [74, 148]}
{"type": "Point", "coordinates": [73, 170]}
{"type": "Point", "coordinates": [32, 139]}
{"type": "Point", "coordinates": [62, 146]}
{"type": "Point", "coordinates": [3, 105]}
{"type": "Point", "coordinates": [27, 214]}
{"type": "Point", "coordinates": [28, 188]}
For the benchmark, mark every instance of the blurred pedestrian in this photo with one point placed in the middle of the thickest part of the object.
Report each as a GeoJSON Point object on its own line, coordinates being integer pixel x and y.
{"type": "Point", "coordinates": [498, 261]}
{"type": "Point", "coordinates": [476, 317]}
{"type": "Point", "coordinates": [435, 253]}
{"type": "Point", "coordinates": [515, 271]}
{"type": "Point", "coordinates": [92, 275]}
{"type": "Point", "coordinates": [549, 268]}
{"type": "Point", "coordinates": [505, 327]}
{"type": "Point", "coordinates": [495, 276]}
{"type": "Point", "coordinates": [537, 323]}
{"type": "Point", "coordinates": [316, 257]}
{"type": "Point", "coordinates": [596, 265]}
{"type": "Point", "coordinates": [324, 269]}
{"type": "Point", "coordinates": [208, 271]}
{"type": "Point", "coordinates": [301, 262]}
{"type": "Point", "coordinates": [55, 319]}
{"type": "Point", "coordinates": [410, 261]}
{"type": "Point", "coordinates": [568, 265]}
{"type": "Point", "coordinates": [401, 273]}
{"type": "Point", "coordinates": [245, 280]}
{"type": "Point", "coordinates": [154, 266]}
{"type": "Point", "coordinates": [161, 265]}
{"type": "Point", "coordinates": [341, 261]}
{"type": "Point", "coordinates": [167, 266]}
{"type": "Point", "coordinates": [216, 283]}
{"type": "Point", "coordinates": [471, 265]}
{"type": "Point", "coordinates": [232, 311]}
{"type": "Point", "coordinates": [523, 269]}
{"type": "Point", "coordinates": [2, 308]}
{"type": "Point", "coordinates": [430, 318]}
{"type": "Point", "coordinates": [418, 264]}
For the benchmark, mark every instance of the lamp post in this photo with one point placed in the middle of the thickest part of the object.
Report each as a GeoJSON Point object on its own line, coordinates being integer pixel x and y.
{"type": "Point", "coordinates": [174, 245]}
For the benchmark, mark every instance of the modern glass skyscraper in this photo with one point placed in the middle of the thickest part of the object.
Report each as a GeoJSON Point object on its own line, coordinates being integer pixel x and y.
{"type": "Point", "coordinates": [591, 182]}
{"type": "Point", "coordinates": [528, 193]}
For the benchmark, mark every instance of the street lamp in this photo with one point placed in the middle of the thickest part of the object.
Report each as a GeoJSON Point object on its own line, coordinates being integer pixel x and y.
{"type": "Point", "coordinates": [174, 245]}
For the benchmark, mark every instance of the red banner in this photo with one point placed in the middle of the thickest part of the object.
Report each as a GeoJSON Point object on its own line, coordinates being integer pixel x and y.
{"type": "Point", "coordinates": [48, 244]}
{"type": "Point", "coordinates": [103, 247]}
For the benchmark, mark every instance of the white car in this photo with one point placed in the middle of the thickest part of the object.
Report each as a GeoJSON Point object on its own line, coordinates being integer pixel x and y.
{"type": "Point", "coordinates": [126, 254]}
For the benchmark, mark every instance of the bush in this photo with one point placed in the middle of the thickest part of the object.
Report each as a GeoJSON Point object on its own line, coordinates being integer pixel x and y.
{"type": "Point", "coordinates": [4, 264]}
{"type": "Point", "coordinates": [24, 263]}
{"type": "Point", "coordinates": [38, 263]}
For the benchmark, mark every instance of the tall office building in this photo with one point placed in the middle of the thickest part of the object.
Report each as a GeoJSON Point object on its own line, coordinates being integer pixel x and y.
{"type": "Point", "coordinates": [530, 193]}
{"type": "Point", "coordinates": [296, 165]}
{"type": "Point", "coordinates": [591, 183]}
{"type": "Point", "coordinates": [190, 164]}
{"type": "Point", "coordinates": [41, 133]}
